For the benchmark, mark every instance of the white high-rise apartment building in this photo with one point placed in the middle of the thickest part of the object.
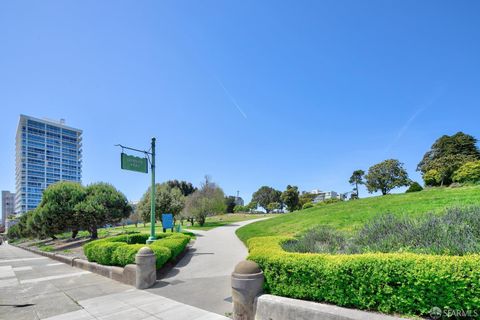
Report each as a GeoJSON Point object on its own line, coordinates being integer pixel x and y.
{"type": "Point", "coordinates": [47, 151]}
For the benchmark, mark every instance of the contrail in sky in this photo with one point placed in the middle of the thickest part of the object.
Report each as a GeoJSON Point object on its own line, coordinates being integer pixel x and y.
{"type": "Point", "coordinates": [232, 99]}
{"type": "Point", "coordinates": [407, 124]}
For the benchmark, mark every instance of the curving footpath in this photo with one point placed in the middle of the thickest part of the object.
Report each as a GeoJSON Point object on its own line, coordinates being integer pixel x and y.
{"type": "Point", "coordinates": [202, 277]}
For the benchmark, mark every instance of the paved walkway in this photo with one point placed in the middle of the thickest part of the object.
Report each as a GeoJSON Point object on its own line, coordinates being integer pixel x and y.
{"type": "Point", "coordinates": [202, 277]}
{"type": "Point", "coordinates": [36, 287]}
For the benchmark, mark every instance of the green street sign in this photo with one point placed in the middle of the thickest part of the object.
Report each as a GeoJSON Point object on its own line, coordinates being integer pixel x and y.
{"type": "Point", "coordinates": [133, 163]}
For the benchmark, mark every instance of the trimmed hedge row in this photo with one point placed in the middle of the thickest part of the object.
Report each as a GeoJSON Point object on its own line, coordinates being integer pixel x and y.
{"type": "Point", "coordinates": [121, 250]}
{"type": "Point", "coordinates": [404, 283]}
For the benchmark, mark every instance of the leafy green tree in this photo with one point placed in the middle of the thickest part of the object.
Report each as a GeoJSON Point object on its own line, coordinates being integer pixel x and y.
{"type": "Point", "coordinates": [386, 176]}
{"type": "Point", "coordinates": [274, 206]}
{"type": "Point", "coordinates": [185, 187]}
{"type": "Point", "coordinates": [305, 197]}
{"type": "Point", "coordinates": [356, 179]}
{"type": "Point", "coordinates": [230, 204]}
{"type": "Point", "coordinates": [167, 200]}
{"type": "Point", "coordinates": [57, 208]}
{"type": "Point", "coordinates": [414, 187]}
{"type": "Point", "coordinates": [447, 154]}
{"type": "Point", "coordinates": [468, 172]}
{"type": "Point", "coordinates": [103, 204]}
{"type": "Point", "coordinates": [208, 200]}
{"type": "Point", "coordinates": [238, 208]}
{"type": "Point", "coordinates": [445, 167]}
{"type": "Point", "coordinates": [252, 206]}
{"type": "Point", "coordinates": [35, 223]}
{"type": "Point", "coordinates": [266, 195]}
{"type": "Point", "coordinates": [290, 197]}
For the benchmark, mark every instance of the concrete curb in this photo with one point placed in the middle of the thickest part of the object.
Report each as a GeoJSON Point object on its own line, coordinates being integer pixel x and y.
{"type": "Point", "coordinates": [280, 308]}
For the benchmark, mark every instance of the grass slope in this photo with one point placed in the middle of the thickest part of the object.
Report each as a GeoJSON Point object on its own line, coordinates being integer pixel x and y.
{"type": "Point", "coordinates": [224, 219]}
{"type": "Point", "coordinates": [349, 215]}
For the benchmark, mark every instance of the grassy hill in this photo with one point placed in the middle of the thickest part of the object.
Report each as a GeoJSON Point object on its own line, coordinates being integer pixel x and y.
{"type": "Point", "coordinates": [349, 215]}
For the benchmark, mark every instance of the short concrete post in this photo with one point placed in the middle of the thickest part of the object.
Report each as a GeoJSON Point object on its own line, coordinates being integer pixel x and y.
{"type": "Point", "coordinates": [247, 284]}
{"type": "Point", "coordinates": [146, 274]}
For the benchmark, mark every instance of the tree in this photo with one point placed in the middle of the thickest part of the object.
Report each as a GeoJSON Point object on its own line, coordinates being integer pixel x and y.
{"type": "Point", "coordinates": [135, 217]}
{"type": "Point", "coordinates": [208, 200]}
{"type": "Point", "coordinates": [103, 204]}
{"type": "Point", "coordinates": [386, 176]}
{"type": "Point", "coordinates": [414, 187]}
{"type": "Point", "coordinates": [252, 206]}
{"type": "Point", "coordinates": [444, 168]}
{"type": "Point", "coordinates": [306, 197]}
{"type": "Point", "coordinates": [167, 200]}
{"type": "Point", "coordinates": [57, 208]}
{"type": "Point", "coordinates": [185, 187]}
{"type": "Point", "coordinates": [468, 172]}
{"type": "Point", "coordinates": [230, 204]}
{"type": "Point", "coordinates": [240, 208]}
{"type": "Point", "coordinates": [356, 179]}
{"type": "Point", "coordinates": [266, 195]}
{"type": "Point", "coordinates": [447, 154]}
{"type": "Point", "coordinates": [290, 197]}
{"type": "Point", "coordinates": [274, 206]}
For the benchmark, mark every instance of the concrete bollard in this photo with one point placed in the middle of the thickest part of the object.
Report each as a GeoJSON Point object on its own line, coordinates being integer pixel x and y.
{"type": "Point", "coordinates": [146, 273]}
{"type": "Point", "coordinates": [247, 284]}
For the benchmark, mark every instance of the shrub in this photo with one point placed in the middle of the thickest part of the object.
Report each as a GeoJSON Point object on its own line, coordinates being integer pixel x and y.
{"type": "Point", "coordinates": [414, 187]}
{"type": "Point", "coordinates": [322, 239]}
{"type": "Point", "coordinates": [175, 244]}
{"type": "Point", "coordinates": [432, 177]}
{"type": "Point", "coordinates": [121, 250]}
{"type": "Point", "coordinates": [162, 255]}
{"type": "Point", "coordinates": [307, 205]}
{"type": "Point", "coordinates": [403, 283]}
{"type": "Point", "coordinates": [102, 252]}
{"type": "Point", "coordinates": [468, 172]}
{"type": "Point", "coordinates": [124, 255]}
{"type": "Point", "coordinates": [456, 232]}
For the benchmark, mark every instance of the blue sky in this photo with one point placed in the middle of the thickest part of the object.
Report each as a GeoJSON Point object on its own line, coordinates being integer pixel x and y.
{"type": "Point", "coordinates": [252, 93]}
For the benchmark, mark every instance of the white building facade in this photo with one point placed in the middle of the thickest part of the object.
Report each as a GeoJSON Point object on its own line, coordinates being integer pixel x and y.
{"type": "Point", "coordinates": [46, 152]}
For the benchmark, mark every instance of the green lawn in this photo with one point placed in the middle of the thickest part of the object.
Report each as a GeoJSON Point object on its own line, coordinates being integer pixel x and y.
{"type": "Point", "coordinates": [349, 215]}
{"type": "Point", "coordinates": [210, 223]}
{"type": "Point", "coordinates": [224, 219]}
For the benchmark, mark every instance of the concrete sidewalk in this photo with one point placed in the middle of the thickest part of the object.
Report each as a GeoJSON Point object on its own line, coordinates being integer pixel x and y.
{"type": "Point", "coordinates": [36, 287]}
{"type": "Point", "coordinates": [202, 277]}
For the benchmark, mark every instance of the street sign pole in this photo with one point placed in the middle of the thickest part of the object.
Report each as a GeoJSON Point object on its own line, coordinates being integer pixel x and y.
{"type": "Point", "coordinates": [138, 164]}
{"type": "Point", "coordinates": [152, 237]}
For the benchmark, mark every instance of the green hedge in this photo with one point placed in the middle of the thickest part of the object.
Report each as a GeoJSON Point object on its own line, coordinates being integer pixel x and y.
{"type": "Point", "coordinates": [175, 244]}
{"type": "Point", "coordinates": [402, 283]}
{"type": "Point", "coordinates": [103, 252]}
{"type": "Point", "coordinates": [121, 250]}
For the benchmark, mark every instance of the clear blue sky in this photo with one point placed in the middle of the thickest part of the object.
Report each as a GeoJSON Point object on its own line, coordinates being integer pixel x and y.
{"type": "Point", "coordinates": [250, 92]}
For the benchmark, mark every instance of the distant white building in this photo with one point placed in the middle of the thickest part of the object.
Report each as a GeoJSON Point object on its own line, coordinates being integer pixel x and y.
{"type": "Point", "coordinates": [326, 195]}
{"type": "Point", "coordinates": [239, 201]}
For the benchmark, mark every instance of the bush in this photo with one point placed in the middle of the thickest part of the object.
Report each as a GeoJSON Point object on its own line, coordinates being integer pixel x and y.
{"type": "Point", "coordinates": [162, 255]}
{"type": "Point", "coordinates": [307, 205]}
{"type": "Point", "coordinates": [103, 251]}
{"type": "Point", "coordinates": [175, 244]}
{"type": "Point", "coordinates": [403, 283]}
{"type": "Point", "coordinates": [322, 239]}
{"type": "Point", "coordinates": [468, 172]}
{"type": "Point", "coordinates": [121, 250]}
{"type": "Point", "coordinates": [456, 232]}
{"type": "Point", "coordinates": [124, 255]}
{"type": "Point", "coordinates": [414, 187]}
